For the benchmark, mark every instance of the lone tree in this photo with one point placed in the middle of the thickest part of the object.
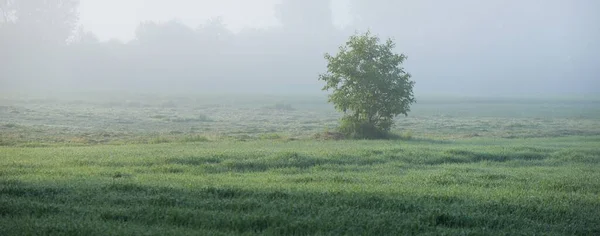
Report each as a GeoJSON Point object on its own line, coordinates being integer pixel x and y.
{"type": "Point", "coordinates": [369, 85]}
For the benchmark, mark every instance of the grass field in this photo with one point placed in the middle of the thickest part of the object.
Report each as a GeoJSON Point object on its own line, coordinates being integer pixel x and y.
{"type": "Point", "coordinates": [191, 166]}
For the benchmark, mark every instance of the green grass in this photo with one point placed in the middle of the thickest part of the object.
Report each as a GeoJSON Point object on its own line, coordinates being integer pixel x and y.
{"type": "Point", "coordinates": [135, 119]}
{"type": "Point", "coordinates": [480, 186]}
{"type": "Point", "coordinates": [273, 165]}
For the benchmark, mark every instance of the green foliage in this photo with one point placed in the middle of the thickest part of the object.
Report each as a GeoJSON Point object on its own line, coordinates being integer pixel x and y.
{"type": "Point", "coordinates": [360, 128]}
{"type": "Point", "coordinates": [407, 135]}
{"type": "Point", "coordinates": [369, 85]}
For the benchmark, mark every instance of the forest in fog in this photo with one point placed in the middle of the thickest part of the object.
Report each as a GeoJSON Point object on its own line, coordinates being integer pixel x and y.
{"type": "Point", "coordinates": [523, 48]}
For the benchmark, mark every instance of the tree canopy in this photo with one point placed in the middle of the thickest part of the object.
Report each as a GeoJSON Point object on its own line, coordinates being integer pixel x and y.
{"type": "Point", "coordinates": [369, 85]}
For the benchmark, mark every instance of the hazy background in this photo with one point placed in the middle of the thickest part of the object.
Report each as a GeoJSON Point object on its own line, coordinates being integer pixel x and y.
{"type": "Point", "coordinates": [461, 47]}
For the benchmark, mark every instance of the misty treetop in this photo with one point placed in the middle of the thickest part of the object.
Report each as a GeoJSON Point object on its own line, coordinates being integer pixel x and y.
{"type": "Point", "coordinates": [369, 85]}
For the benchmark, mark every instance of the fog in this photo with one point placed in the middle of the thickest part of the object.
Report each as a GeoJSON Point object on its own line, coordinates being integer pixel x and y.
{"type": "Point", "coordinates": [462, 47]}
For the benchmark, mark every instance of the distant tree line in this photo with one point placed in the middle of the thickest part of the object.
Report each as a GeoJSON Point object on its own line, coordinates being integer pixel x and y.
{"type": "Point", "coordinates": [45, 47]}
{"type": "Point", "coordinates": [482, 47]}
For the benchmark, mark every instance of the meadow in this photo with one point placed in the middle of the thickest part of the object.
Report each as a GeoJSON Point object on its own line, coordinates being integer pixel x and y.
{"type": "Point", "coordinates": [247, 165]}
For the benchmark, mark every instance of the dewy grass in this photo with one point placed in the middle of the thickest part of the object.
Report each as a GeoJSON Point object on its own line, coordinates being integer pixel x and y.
{"type": "Point", "coordinates": [131, 119]}
{"type": "Point", "coordinates": [482, 186]}
{"type": "Point", "coordinates": [207, 166]}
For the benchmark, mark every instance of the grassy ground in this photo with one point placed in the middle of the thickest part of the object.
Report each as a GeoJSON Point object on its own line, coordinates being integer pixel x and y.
{"type": "Point", "coordinates": [134, 119]}
{"type": "Point", "coordinates": [252, 167]}
{"type": "Point", "coordinates": [480, 186]}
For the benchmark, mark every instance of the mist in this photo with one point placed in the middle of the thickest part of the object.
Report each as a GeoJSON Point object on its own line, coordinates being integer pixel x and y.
{"type": "Point", "coordinates": [464, 47]}
{"type": "Point", "coordinates": [299, 117]}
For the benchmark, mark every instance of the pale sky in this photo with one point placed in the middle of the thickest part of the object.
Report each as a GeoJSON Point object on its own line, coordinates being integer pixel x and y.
{"type": "Point", "coordinates": [118, 18]}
